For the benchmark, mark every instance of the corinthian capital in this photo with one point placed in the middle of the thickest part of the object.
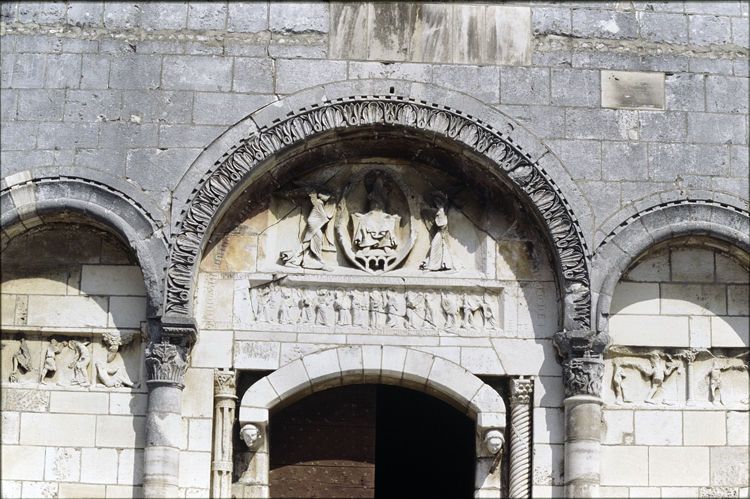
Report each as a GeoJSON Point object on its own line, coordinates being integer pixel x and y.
{"type": "Point", "coordinates": [582, 353]}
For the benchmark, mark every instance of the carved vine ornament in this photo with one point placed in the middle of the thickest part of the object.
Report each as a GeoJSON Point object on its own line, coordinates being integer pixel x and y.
{"type": "Point", "coordinates": [368, 252]}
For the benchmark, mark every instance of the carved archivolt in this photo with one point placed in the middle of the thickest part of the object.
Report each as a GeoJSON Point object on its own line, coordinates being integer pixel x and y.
{"type": "Point", "coordinates": [385, 110]}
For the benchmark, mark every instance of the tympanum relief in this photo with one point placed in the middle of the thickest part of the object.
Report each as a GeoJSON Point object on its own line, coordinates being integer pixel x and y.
{"type": "Point", "coordinates": [373, 247]}
{"type": "Point", "coordinates": [677, 378]}
{"type": "Point", "coordinates": [92, 361]}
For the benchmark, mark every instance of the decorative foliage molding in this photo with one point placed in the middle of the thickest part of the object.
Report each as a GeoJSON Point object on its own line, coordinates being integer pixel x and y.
{"type": "Point", "coordinates": [166, 362]}
{"type": "Point", "coordinates": [350, 113]}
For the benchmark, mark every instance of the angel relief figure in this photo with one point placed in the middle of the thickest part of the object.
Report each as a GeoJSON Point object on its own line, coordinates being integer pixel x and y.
{"type": "Point", "coordinates": [440, 256]}
{"type": "Point", "coordinates": [318, 236]}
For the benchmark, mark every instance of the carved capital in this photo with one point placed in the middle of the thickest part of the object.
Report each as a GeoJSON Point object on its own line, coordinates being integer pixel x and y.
{"type": "Point", "coordinates": [520, 391]}
{"type": "Point", "coordinates": [583, 366]}
{"type": "Point", "coordinates": [225, 384]}
{"type": "Point", "coordinates": [166, 363]}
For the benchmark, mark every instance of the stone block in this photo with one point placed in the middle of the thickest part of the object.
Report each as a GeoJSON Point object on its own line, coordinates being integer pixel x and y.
{"type": "Point", "coordinates": [430, 40]}
{"type": "Point", "coordinates": [729, 466]}
{"type": "Point", "coordinates": [722, 92]}
{"type": "Point", "coordinates": [247, 17]}
{"type": "Point", "coordinates": [195, 469]}
{"type": "Point", "coordinates": [548, 465]}
{"type": "Point", "coordinates": [207, 15]}
{"type": "Point", "coordinates": [521, 85]}
{"type": "Point", "coordinates": [645, 492]}
{"type": "Point", "coordinates": [199, 73]}
{"type": "Point", "coordinates": [187, 135]}
{"type": "Point", "coordinates": [157, 16]}
{"type": "Point", "coordinates": [25, 70]}
{"type": "Point", "coordinates": [200, 434]}
{"type": "Point", "coordinates": [709, 30]}
{"type": "Point", "coordinates": [635, 298]}
{"type": "Point", "coordinates": [389, 31]}
{"type": "Point", "coordinates": [99, 465]}
{"type": "Point", "coordinates": [130, 466]}
{"type": "Point", "coordinates": [128, 403]}
{"type": "Point", "coordinates": [481, 361]}
{"type": "Point", "coordinates": [81, 491]}
{"type": "Point", "coordinates": [120, 15]}
{"type": "Point", "coordinates": [700, 331]}
{"type": "Point", "coordinates": [541, 121]}
{"type": "Point", "coordinates": [130, 71]}
{"type": "Point", "coordinates": [95, 71]}
{"type": "Point", "coordinates": [716, 128]}
{"type": "Point", "coordinates": [605, 196]}
{"type": "Point", "coordinates": [549, 425]}
{"type": "Point", "coordinates": [624, 465]}
{"type": "Point", "coordinates": [79, 403]}
{"type": "Point", "coordinates": [9, 14]}
{"type": "Point", "coordinates": [9, 105]}
{"type": "Point", "coordinates": [323, 369]}
{"type": "Point", "coordinates": [581, 158]}
{"type": "Point", "coordinates": [42, 12]}
{"type": "Point", "coordinates": [108, 160]}
{"type": "Point", "coordinates": [665, 63]}
{"type": "Point", "coordinates": [214, 350]}
{"type": "Point", "coordinates": [127, 135]}
{"type": "Point", "coordinates": [25, 400]}
{"type": "Point", "coordinates": [197, 397]}
{"type": "Point", "coordinates": [730, 332]}
{"type": "Point", "coordinates": [649, 330]}
{"type": "Point", "coordinates": [613, 491]}
{"type": "Point", "coordinates": [253, 74]}
{"type": "Point", "coordinates": [551, 21]}
{"type": "Point", "coordinates": [256, 355]}
{"type": "Point", "coordinates": [632, 90]}
{"type": "Point", "coordinates": [158, 169]}
{"type": "Point", "coordinates": [85, 14]}
{"type": "Point", "coordinates": [157, 106]}
{"type": "Point", "coordinates": [737, 425]}
{"type": "Point", "coordinates": [306, 17]}
{"type": "Point", "coordinates": [606, 124]}
{"type": "Point", "coordinates": [663, 28]}
{"type": "Point", "coordinates": [574, 87]}
{"type": "Point", "coordinates": [678, 466]}
{"type": "Point", "coordinates": [226, 109]}
{"type": "Point", "coordinates": [740, 33]}
{"type": "Point", "coordinates": [714, 8]}
{"type": "Point", "coordinates": [738, 299]}
{"type": "Point", "coordinates": [590, 23]}
{"type": "Point", "coordinates": [12, 489]}
{"type": "Point", "coordinates": [668, 161]}
{"type": "Point", "coordinates": [62, 464]}
{"type": "Point", "coordinates": [481, 82]}
{"type": "Point", "coordinates": [658, 427]}
{"type": "Point", "coordinates": [711, 66]}
{"type": "Point", "coordinates": [508, 35]}
{"type": "Point", "coordinates": [705, 427]}
{"type": "Point", "coordinates": [693, 299]}
{"type": "Point", "coordinates": [11, 423]}
{"type": "Point", "coordinates": [120, 431]}
{"type": "Point", "coordinates": [293, 75]}
{"type": "Point", "coordinates": [617, 427]}
{"type": "Point", "coordinates": [740, 167]}
{"type": "Point", "coordinates": [548, 391]}
{"type": "Point", "coordinates": [63, 71]}
{"type": "Point", "coordinates": [126, 311]}
{"type": "Point", "coordinates": [624, 161]}
{"type": "Point", "coordinates": [22, 463]}
{"type": "Point", "coordinates": [395, 71]}
{"type": "Point", "coordinates": [91, 107]}
{"type": "Point", "coordinates": [526, 356]}
{"type": "Point", "coordinates": [679, 492]}
{"type": "Point", "coordinates": [659, 126]}
{"type": "Point", "coordinates": [67, 311]}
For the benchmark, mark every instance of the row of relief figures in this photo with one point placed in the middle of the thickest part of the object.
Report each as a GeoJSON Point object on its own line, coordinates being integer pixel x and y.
{"type": "Point", "coordinates": [373, 308]}
{"type": "Point", "coordinates": [693, 377]}
{"type": "Point", "coordinates": [108, 360]}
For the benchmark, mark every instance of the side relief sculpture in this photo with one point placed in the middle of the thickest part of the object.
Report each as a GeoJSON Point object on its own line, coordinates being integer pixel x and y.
{"type": "Point", "coordinates": [50, 366]}
{"type": "Point", "coordinates": [714, 377]}
{"type": "Point", "coordinates": [318, 234]}
{"type": "Point", "coordinates": [439, 257]}
{"type": "Point", "coordinates": [81, 363]}
{"type": "Point", "coordinates": [22, 359]}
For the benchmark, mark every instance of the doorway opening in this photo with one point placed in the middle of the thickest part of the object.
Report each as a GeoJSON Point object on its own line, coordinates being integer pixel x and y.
{"type": "Point", "coordinates": [371, 441]}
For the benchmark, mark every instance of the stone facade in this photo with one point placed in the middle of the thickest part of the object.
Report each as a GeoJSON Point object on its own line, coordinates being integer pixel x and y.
{"type": "Point", "coordinates": [535, 212]}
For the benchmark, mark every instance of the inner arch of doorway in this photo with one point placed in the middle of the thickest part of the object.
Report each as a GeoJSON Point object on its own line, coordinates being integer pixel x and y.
{"type": "Point", "coordinates": [374, 364]}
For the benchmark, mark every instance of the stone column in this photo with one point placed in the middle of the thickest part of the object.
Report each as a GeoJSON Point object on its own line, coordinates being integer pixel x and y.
{"type": "Point", "coordinates": [167, 359]}
{"type": "Point", "coordinates": [689, 356]}
{"type": "Point", "coordinates": [224, 406]}
{"type": "Point", "coordinates": [520, 437]}
{"type": "Point", "coordinates": [583, 368]}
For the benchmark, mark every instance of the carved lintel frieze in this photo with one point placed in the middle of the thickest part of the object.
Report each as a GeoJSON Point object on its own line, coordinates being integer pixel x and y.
{"type": "Point", "coordinates": [166, 363]}
{"type": "Point", "coordinates": [582, 353]}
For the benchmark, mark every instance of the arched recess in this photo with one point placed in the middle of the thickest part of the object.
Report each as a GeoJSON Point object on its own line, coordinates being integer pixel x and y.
{"type": "Point", "coordinates": [27, 202]}
{"type": "Point", "coordinates": [649, 228]}
{"type": "Point", "coordinates": [399, 366]}
{"type": "Point", "coordinates": [429, 114]}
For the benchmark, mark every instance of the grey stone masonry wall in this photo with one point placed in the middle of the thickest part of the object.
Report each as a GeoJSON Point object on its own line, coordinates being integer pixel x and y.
{"type": "Point", "coordinates": [137, 91]}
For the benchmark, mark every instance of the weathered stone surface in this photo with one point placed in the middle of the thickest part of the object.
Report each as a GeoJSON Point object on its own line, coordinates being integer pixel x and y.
{"type": "Point", "coordinates": [631, 90]}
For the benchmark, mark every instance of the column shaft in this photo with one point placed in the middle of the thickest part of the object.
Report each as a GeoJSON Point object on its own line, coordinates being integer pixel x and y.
{"type": "Point", "coordinates": [520, 438]}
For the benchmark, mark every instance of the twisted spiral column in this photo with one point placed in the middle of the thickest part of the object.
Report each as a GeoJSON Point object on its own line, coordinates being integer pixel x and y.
{"type": "Point", "coordinates": [520, 437]}
{"type": "Point", "coordinates": [225, 401]}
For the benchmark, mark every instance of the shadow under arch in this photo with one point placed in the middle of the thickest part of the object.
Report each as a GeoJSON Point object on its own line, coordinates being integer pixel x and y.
{"type": "Point", "coordinates": [69, 199]}
{"type": "Point", "coordinates": [285, 131]}
{"type": "Point", "coordinates": [655, 226]}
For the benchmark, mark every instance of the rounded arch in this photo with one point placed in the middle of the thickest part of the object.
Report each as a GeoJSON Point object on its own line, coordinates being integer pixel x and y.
{"type": "Point", "coordinates": [374, 364]}
{"type": "Point", "coordinates": [659, 224]}
{"type": "Point", "coordinates": [451, 119]}
{"type": "Point", "coordinates": [28, 202]}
